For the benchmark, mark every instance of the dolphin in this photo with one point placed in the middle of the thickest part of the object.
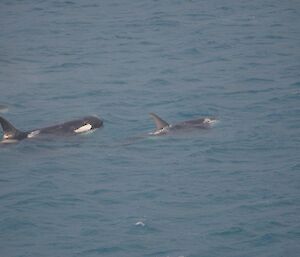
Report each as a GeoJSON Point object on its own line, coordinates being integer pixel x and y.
{"type": "Point", "coordinates": [73, 127]}
{"type": "Point", "coordinates": [163, 127]}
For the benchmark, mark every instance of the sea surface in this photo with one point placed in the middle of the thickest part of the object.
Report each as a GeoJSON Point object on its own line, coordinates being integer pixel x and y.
{"type": "Point", "coordinates": [233, 190]}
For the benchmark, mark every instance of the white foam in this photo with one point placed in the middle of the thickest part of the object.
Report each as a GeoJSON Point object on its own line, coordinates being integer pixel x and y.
{"type": "Point", "coordinates": [84, 128]}
{"type": "Point", "coordinates": [160, 131]}
{"type": "Point", "coordinates": [8, 141]}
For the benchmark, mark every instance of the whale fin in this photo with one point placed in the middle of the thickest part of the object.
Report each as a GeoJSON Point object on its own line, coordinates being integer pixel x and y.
{"type": "Point", "coordinates": [160, 123]}
{"type": "Point", "coordinates": [10, 132]}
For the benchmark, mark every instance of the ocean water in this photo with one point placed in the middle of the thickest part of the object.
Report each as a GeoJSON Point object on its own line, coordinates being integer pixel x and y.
{"type": "Point", "coordinates": [230, 191]}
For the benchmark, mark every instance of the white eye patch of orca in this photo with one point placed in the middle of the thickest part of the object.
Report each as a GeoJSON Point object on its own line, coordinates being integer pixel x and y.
{"type": "Point", "coordinates": [84, 128]}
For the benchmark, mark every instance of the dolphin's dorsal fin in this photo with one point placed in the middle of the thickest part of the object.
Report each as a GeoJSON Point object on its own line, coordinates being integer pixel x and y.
{"type": "Point", "coordinates": [9, 130]}
{"type": "Point", "coordinates": [160, 123]}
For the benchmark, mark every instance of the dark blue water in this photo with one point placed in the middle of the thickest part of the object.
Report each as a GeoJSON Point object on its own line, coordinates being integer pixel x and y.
{"type": "Point", "coordinates": [231, 191]}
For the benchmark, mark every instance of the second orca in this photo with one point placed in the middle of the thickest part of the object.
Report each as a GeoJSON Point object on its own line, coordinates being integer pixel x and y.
{"type": "Point", "coordinates": [163, 127]}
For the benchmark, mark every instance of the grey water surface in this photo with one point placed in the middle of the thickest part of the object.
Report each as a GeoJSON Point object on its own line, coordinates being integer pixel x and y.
{"type": "Point", "coordinates": [230, 191]}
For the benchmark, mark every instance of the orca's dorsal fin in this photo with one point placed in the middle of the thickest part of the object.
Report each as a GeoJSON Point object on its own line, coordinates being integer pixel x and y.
{"type": "Point", "coordinates": [10, 132]}
{"type": "Point", "coordinates": [159, 123]}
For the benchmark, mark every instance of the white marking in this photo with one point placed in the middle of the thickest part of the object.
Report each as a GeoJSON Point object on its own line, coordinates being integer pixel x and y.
{"type": "Point", "coordinates": [209, 121]}
{"type": "Point", "coordinates": [7, 136]}
{"type": "Point", "coordinates": [84, 128]}
{"type": "Point", "coordinates": [140, 223]}
{"type": "Point", "coordinates": [33, 134]}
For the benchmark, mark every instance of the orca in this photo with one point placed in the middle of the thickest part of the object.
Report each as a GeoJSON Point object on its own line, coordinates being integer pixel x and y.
{"type": "Point", "coordinates": [73, 127]}
{"type": "Point", "coordinates": [163, 127]}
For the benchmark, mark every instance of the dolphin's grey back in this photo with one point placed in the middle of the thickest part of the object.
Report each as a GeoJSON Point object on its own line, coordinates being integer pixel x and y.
{"type": "Point", "coordinates": [162, 127]}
